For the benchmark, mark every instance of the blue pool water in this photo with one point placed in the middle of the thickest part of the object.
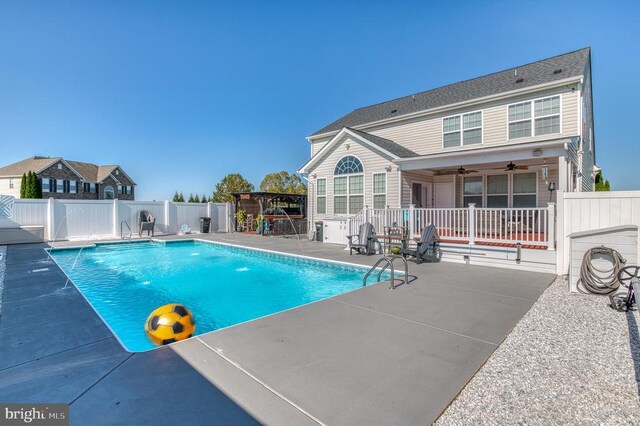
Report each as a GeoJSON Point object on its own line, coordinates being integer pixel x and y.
{"type": "Point", "coordinates": [221, 285]}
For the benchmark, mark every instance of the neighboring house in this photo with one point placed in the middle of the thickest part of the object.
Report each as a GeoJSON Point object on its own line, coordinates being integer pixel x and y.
{"type": "Point", "coordinates": [498, 141]}
{"type": "Point", "coordinates": [69, 179]}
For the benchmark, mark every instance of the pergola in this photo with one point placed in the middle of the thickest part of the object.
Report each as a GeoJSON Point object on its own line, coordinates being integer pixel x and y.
{"type": "Point", "coordinates": [272, 206]}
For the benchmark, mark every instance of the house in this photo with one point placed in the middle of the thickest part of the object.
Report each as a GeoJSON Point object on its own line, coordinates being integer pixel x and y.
{"type": "Point", "coordinates": [499, 144]}
{"type": "Point", "coordinates": [65, 179]}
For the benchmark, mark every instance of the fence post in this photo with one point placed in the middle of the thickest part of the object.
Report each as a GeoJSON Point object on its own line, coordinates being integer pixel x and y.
{"type": "Point", "coordinates": [167, 216]}
{"type": "Point", "coordinates": [472, 223]}
{"type": "Point", "coordinates": [51, 223]}
{"type": "Point", "coordinates": [229, 219]}
{"type": "Point", "coordinates": [209, 208]}
{"type": "Point", "coordinates": [412, 220]}
{"type": "Point", "coordinates": [551, 237]}
{"type": "Point", "coordinates": [115, 218]}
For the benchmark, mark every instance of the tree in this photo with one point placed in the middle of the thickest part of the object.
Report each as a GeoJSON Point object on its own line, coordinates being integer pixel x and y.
{"type": "Point", "coordinates": [181, 198]}
{"type": "Point", "coordinates": [283, 182]}
{"type": "Point", "coordinates": [204, 199]}
{"type": "Point", "coordinates": [196, 199]}
{"type": "Point", "coordinates": [601, 183]}
{"type": "Point", "coordinates": [23, 186]}
{"type": "Point", "coordinates": [190, 198]}
{"type": "Point", "coordinates": [32, 181]}
{"type": "Point", "coordinates": [176, 197]}
{"type": "Point", "coordinates": [38, 187]}
{"type": "Point", "coordinates": [229, 184]}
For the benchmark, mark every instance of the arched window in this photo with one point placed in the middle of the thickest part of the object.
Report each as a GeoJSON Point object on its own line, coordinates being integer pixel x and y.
{"type": "Point", "coordinates": [108, 192]}
{"type": "Point", "coordinates": [348, 165]}
{"type": "Point", "coordinates": [348, 186]}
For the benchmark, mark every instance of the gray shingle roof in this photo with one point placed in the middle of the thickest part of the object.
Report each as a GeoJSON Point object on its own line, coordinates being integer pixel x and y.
{"type": "Point", "coordinates": [571, 64]}
{"type": "Point", "coordinates": [89, 172]}
{"type": "Point", "coordinates": [386, 144]}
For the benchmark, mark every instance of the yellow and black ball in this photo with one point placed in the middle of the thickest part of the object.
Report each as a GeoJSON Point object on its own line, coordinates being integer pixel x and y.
{"type": "Point", "coordinates": [170, 323]}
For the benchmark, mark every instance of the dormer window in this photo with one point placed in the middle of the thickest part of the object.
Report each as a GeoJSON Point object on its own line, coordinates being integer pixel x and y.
{"type": "Point", "coordinates": [465, 129]}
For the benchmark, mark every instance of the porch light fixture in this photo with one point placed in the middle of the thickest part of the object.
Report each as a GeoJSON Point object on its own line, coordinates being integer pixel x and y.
{"type": "Point", "coordinates": [314, 175]}
{"type": "Point", "coordinates": [545, 173]}
{"type": "Point", "coordinates": [388, 168]}
{"type": "Point", "coordinates": [347, 146]}
{"type": "Point", "coordinates": [552, 187]}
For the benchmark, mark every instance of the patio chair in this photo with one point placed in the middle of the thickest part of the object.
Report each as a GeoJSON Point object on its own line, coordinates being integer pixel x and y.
{"type": "Point", "coordinates": [426, 247]}
{"type": "Point", "coordinates": [364, 241]}
{"type": "Point", "coordinates": [146, 222]}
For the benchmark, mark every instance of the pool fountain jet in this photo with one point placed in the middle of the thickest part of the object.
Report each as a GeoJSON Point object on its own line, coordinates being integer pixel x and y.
{"type": "Point", "coordinates": [280, 210]}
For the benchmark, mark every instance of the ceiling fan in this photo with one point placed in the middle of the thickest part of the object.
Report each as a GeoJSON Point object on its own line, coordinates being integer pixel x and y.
{"type": "Point", "coordinates": [459, 171]}
{"type": "Point", "coordinates": [511, 167]}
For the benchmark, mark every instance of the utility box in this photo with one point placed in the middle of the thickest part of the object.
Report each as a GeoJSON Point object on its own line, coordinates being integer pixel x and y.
{"type": "Point", "coordinates": [623, 239]}
{"type": "Point", "coordinates": [319, 231]}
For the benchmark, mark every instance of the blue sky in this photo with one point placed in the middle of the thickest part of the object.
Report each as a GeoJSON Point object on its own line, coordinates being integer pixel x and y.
{"type": "Point", "coordinates": [182, 93]}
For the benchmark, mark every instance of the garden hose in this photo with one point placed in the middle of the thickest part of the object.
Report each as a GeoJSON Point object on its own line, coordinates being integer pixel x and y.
{"type": "Point", "coordinates": [601, 281]}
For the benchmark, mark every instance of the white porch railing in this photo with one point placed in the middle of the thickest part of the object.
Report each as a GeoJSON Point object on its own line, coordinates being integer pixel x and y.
{"type": "Point", "coordinates": [472, 225]}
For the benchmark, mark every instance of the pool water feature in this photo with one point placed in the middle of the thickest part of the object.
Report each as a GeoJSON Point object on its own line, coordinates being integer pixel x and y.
{"type": "Point", "coordinates": [222, 285]}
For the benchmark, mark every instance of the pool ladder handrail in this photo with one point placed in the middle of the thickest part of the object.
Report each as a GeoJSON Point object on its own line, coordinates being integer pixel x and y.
{"type": "Point", "coordinates": [388, 264]}
{"type": "Point", "coordinates": [124, 222]}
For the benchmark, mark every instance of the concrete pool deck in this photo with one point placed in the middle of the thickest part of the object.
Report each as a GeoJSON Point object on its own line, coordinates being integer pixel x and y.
{"type": "Point", "coordinates": [374, 356]}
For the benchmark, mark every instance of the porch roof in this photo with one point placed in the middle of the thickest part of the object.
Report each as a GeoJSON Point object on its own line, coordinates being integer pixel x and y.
{"type": "Point", "coordinates": [483, 154]}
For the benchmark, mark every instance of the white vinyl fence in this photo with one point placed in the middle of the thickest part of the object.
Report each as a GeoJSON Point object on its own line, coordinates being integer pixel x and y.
{"type": "Point", "coordinates": [95, 219]}
{"type": "Point", "coordinates": [588, 211]}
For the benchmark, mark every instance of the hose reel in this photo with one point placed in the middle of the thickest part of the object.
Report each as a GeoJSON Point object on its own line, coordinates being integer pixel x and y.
{"type": "Point", "coordinates": [601, 281]}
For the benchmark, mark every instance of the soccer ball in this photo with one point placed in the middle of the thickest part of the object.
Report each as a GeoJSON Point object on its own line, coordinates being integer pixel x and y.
{"type": "Point", "coordinates": [169, 323]}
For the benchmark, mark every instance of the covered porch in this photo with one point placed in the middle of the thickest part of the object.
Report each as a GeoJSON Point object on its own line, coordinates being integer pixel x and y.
{"type": "Point", "coordinates": [497, 196]}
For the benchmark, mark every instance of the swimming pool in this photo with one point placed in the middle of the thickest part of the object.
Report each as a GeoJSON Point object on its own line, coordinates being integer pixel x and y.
{"type": "Point", "coordinates": [222, 285]}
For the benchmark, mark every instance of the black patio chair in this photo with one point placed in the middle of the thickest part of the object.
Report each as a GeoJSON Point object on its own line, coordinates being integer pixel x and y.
{"type": "Point", "coordinates": [146, 222]}
{"type": "Point", "coordinates": [364, 241]}
{"type": "Point", "coordinates": [426, 248]}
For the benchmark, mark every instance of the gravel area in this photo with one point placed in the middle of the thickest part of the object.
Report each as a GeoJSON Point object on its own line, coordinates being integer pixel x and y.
{"type": "Point", "coordinates": [3, 267]}
{"type": "Point", "coordinates": [571, 360]}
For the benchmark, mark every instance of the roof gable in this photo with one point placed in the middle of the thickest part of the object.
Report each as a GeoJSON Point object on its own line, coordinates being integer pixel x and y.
{"type": "Point", "coordinates": [570, 64]}
{"type": "Point", "coordinates": [385, 147]}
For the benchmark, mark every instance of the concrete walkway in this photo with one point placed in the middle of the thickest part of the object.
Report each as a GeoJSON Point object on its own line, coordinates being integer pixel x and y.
{"type": "Point", "coordinates": [372, 356]}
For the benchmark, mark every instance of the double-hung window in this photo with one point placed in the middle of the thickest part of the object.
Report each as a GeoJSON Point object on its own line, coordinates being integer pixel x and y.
{"type": "Point", "coordinates": [379, 190]}
{"type": "Point", "coordinates": [472, 192]}
{"type": "Point", "coordinates": [321, 196]}
{"type": "Point", "coordinates": [544, 120]}
{"type": "Point", "coordinates": [348, 186]}
{"type": "Point", "coordinates": [547, 115]}
{"type": "Point", "coordinates": [73, 186]}
{"type": "Point", "coordinates": [60, 185]}
{"type": "Point", "coordinates": [524, 190]}
{"type": "Point", "coordinates": [497, 191]}
{"type": "Point", "coordinates": [464, 129]}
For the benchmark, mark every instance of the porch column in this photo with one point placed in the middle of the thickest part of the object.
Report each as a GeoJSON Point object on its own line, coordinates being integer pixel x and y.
{"type": "Point", "coordinates": [551, 217]}
{"type": "Point", "coordinates": [563, 173]}
{"type": "Point", "coordinates": [412, 220]}
{"type": "Point", "coordinates": [472, 223]}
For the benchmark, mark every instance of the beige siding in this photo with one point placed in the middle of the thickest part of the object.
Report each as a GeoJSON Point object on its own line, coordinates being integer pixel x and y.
{"type": "Point", "coordinates": [372, 163]}
{"type": "Point", "coordinates": [5, 187]}
{"type": "Point", "coordinates": [588, 143]}
{"type": "Point", "coordinates": [317, 145]}
{"type": "Point", "coordinates": [424, 135]}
